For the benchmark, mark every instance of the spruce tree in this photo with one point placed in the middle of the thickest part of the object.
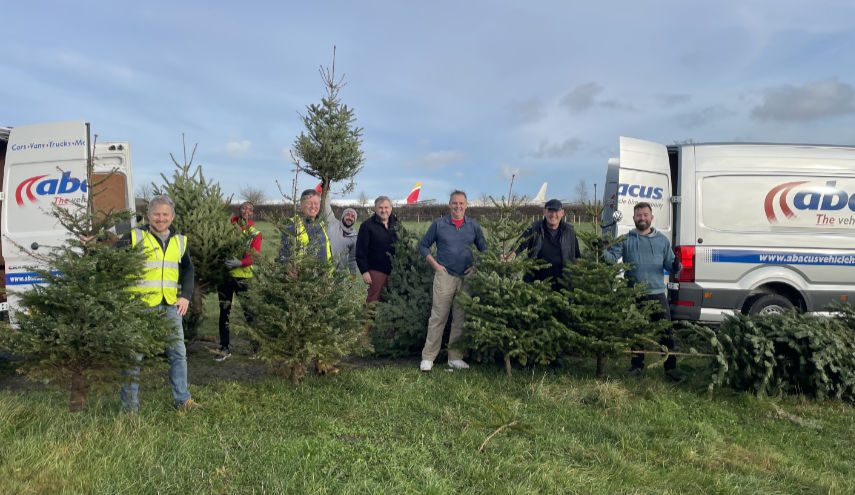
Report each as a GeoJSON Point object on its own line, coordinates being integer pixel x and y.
{"type": "Point", "coordinates": [601, 314]}
{"type": "Point", "coordinates": [403, 311]}
{"type": "Point", "coordinates": [81, 326]}
{"type": "Point", "coordinates": [202, 214]}
{"type": "Point", "coordinates": [506, 316]}
{"type": "Point", "coordinates": [331, 145]}
{"type": "Point", "coordinates": [305, 312]}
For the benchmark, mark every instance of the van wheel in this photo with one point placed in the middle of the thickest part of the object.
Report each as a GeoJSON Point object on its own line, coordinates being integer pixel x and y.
{"type": "Point", "coordinates": [770, 304]}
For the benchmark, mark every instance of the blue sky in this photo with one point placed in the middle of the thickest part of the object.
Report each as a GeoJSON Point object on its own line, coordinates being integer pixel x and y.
{"type": "Point", "coordinates": [453, 94]}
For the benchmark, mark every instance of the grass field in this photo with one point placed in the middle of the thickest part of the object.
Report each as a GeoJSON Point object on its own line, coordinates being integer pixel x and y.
{"type": "Point", "coordinates": [392, 429]}
{"type": "Point", "coordinates": [384, 427]}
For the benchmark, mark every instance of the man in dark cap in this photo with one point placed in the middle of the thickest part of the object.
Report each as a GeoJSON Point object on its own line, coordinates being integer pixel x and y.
{"type": "Point", "coordinates": [551, 240]}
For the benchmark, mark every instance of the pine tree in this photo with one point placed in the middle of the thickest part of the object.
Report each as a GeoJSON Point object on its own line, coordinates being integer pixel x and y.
{"type": "Point", "coordinates": [305, 312]}
{"type": "Point", "coordinates": [403, 311]}
{"type": "Point", "coordinates": [601, 314]}
{"type": "Point", "coordinates": [330, 147]}
{"type": "Point", "coordinates": [82, 325]}
{"type": "Point", "coordinates": [201, 214]}
{"type": "Point", "coordinates": [507, 316]}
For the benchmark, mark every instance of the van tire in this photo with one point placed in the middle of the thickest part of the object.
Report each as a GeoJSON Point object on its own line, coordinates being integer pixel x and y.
{"type": "Point", "coordinates": [770, 304]}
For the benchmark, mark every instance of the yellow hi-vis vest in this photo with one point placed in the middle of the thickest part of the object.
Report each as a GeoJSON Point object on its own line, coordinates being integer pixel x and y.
{"type": "Point", "coordinates": [303, 238]}
{"type": "Point", "coordinates": [159, 278]}
{"type": "Point", "coordinates": [246, 271]}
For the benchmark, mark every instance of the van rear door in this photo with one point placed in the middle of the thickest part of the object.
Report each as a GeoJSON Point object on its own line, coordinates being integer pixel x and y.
{"type": "Point", "coordinates": [112, 181]}
{"type": "Point", "coordinates": [644, 174]}
{"type": "Point", "coordinates": [45, 166]}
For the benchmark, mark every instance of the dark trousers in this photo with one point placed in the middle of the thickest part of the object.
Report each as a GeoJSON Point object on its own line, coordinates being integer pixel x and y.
{"type": "Point", "coordinates": [667, 340]}
{"type": "Point", "coordinates": [226, 293]}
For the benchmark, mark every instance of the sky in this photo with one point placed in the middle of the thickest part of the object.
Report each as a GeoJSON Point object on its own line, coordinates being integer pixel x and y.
{"type": "Point", "coordinates": [452, 94]}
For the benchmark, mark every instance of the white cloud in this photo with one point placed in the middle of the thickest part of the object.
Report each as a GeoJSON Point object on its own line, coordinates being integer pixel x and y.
{"type": "Point", "coordinates": [703, 116]}
{"type": "Point", "coordinates": [436, 160]}
{"type": "Point", "coordinates": [813, 101]}
{"type": "Point", "coordinates": [238, 148]}
{"type": "Point", "coordinates": [509, 171]}
{"type": "Point", "coordinates": [558, 150]}
{"type": "Point", "coordinates": [673, 98]}
{"type": "Point", "coordinates": [582, 97]}
{"type": "Point", "coordinates": [526, 111]}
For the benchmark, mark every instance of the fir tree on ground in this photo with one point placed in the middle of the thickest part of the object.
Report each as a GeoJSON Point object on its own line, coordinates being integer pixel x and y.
{"type": "Point", "coordinates": [601, 314]}
{"type": "Point", "coordinates": [202, 214]}
{"type": "Point", "coordinates": [81, 327]}
{"type": "Point", "coordinates": [507, 317]}
{"type": "Point", "coordinates": [793, 353]}
{"type": "Point", "coordinates": [403, 311]}
{"type": "Point", "coordinates": [305, 312]}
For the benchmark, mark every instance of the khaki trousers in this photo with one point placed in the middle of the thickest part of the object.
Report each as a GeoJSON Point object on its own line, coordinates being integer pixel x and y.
{"type": "Point", "coordinates": [445, 286]}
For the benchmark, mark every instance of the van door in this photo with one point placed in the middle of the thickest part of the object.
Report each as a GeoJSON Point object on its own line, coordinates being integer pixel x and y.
{"type": "Point", "coordinates": [611, 214]}
{"type": "Point", "coordinates": [45, 166]}
{"type": "Point", "coordinates": [112, 181]}
{"type": "Point", "coordinates": [644, 174]}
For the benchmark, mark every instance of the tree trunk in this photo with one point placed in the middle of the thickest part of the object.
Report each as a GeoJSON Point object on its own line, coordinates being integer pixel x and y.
{"type": "Point", "coordinates": [508, 365]}
{"type": "Point", "coordinates": [600, 364]}
{"type": "Point", "coordinates": [196, 303]}
{"type": "Point", "coordinates": [78, 391]}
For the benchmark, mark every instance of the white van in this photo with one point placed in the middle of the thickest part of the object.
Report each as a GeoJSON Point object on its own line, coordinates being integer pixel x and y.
{"type": "Point", "coordinates": [759, 228]}
{"type": "Point", "coordinates": [43, 165]}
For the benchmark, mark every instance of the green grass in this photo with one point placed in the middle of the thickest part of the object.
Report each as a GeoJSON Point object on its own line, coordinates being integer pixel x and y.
{"type": "Point", "coordinates": [384, 427]}
{"type": "Point", "coordinates": [392, 429]}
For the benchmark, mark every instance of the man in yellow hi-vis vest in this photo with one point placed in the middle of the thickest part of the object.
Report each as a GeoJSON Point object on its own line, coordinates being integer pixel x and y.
{"type": "Point", "coordinates": [311, 234]}
{"type": "Point", "coordinates": [240, 271]}
{"type": "Point", "coordinates": [166, 285]}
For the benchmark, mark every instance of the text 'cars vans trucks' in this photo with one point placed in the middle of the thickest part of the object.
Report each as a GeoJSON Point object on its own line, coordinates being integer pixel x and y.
{"type": "Point", "coordinates": [757, 227]}
{"type": "Point", "coordinates": [44, 165]}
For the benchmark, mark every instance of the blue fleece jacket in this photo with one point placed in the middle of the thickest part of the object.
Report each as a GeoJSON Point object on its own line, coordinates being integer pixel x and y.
{"type": "Point", "coordinates": [452, 244]}
{"type": "Point", "coordinates": [650, 255]}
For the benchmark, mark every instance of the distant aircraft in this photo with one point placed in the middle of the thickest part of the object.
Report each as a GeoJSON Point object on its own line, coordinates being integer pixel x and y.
{"type": "Point", "coordinates": [541, 196]}
{"type": "Point", "coordinates": [411, 199]}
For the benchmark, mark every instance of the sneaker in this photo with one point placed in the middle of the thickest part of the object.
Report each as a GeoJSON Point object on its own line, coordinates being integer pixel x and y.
{"type": "Point", "coordinates": [426, 365]}
{"type": "Point", "coordinates": [189, 405]}
{"type": "Point", "coordinates": [457, 364]}
{"type": "Point", "coordinates": [223, 354]}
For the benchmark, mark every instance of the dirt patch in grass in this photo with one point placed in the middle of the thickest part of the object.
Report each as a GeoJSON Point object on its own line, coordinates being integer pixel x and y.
{"type": "Point", "coordinates": [202, 368]}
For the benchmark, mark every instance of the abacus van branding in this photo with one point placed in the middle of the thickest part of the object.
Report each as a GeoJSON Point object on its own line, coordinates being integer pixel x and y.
{"type": "Point", "coordinates": [758, 227]}
{"type": "Point", "coordinates": [44, 166]}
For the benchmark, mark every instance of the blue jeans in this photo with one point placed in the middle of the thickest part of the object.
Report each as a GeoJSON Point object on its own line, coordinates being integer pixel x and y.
{"type": "Point", "coordinates": [176, 353]}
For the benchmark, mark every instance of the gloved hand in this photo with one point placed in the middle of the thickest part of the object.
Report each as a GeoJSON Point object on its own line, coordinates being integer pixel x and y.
{"type": "Point", "coordinates": [601, 242]}
{"type": "Point", "coordinates": [233, 263]}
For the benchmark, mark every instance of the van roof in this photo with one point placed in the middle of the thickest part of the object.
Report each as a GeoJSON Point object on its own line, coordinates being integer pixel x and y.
{"type": "Point", "coordinates": [751, 143]}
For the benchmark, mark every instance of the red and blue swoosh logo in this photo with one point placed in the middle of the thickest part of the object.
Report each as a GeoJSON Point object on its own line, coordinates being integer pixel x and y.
{"type": "Point", "coordinates": [769, 203]}
{"type": "Point", "coordinates": [27, 187]}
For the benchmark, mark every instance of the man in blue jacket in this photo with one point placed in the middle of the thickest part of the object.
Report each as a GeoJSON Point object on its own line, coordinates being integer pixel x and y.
{"type": "Point", "coordinates": [453, 235]}
{"type": "Point", "coordinates": [650, 254]}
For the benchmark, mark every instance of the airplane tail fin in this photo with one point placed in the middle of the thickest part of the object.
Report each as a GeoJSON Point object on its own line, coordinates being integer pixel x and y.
{"type": "Point", "coordinates": [413, 197]}
{"type": "Point", "coordinates": [319, 188]}
{"type": "Point", "coordinates": [541, 195]}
